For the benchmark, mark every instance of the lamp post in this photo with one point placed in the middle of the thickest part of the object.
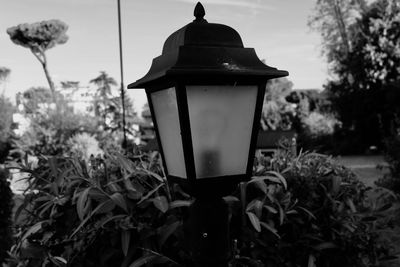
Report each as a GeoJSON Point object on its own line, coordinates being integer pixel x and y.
{"type": "Point", "coordinates": [205, 93]}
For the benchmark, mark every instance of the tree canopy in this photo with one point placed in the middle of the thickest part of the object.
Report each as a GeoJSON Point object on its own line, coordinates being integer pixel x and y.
{"type": "Point", "coordinates": [39, 37]}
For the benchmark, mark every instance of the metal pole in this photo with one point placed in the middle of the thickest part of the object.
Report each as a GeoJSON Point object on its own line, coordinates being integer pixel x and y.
{"type": "Point", "coordinates": [124, 143]}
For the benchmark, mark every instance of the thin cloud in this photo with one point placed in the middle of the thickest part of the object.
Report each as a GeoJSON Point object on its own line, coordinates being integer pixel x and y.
{"type": "Point", "coordinates": [251, 4]}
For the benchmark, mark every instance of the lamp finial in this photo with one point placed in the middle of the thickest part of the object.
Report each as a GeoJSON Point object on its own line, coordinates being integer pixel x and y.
{"type": "Point", "coordinates": [199, 13]}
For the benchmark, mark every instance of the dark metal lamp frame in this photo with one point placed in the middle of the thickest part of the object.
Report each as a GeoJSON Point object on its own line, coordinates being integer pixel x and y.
{"type": "Point", "coordinates": [204, 53]}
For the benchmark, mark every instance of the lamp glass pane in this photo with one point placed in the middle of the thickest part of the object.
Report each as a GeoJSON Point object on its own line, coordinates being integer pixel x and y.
{"type": "Point", "coordinates": [221, 121]}
{"type": "Point", "coordinates": [166, 114]}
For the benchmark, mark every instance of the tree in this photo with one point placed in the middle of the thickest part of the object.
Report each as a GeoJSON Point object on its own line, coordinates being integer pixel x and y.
{"type": "Point", "coordinates": [377, 44]}
{"type": "Point", "coordinates": [4, 72]}
{"type": "Point", "coordinates": [277, 112]}
{"type": "Point", "coordinates": [39, 37]}
{"type": "Point", "coordinates": [6, 123]}
{"type": "Point", "coordinates": [365, 75]}
{"type": "Point", "coordinates": [103, 99]}
{"type": "Point", "coordinates": [332, 19]}
{"type": "Point", "coordinates": [36, 98]}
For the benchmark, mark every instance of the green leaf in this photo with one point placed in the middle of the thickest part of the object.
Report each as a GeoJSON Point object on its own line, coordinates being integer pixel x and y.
{"type": "Point", "coordinates": [60, 178]}
{"type": "Point", "coordinates": [113, 218]}
{"type": "Point", "coordinates": [336, 181]}
{"type": "Point", "coordinates": [45, 207]}
{"type": "Point", "coordinates": [125, 163]}
{"type": "Point", "coordinates": [95, 211]}
{"type": "Point", "coordinates": [231, 199]}
{"type": "Point", "coordinates": [97, 194]}
{"type": "Point", "coordinates": [161, 203]}
{"type": "Point", "coordinates": [58, 261]}
{"type": "Point", "coordinates": [325, 245]}
{"type": "Point", "coordinates": [107, 206]}
{"type": "Point", "coordinates": [33, 229]}
{"type": "Point", "coordinates": [81, 203]}
{"type": "Point", "coordinates": [114, 187]}
{"type": "Point", "coordinates": [155, 175]}
{"type": "Point", "coordinates": [311, 261]}
{"type": "Point", "coordinates": [53, 166]}
{"type": "Point", "coordinates": [270, 209]}
{"type": "Point", "coordinates": [273, 177]}
{"type": "Point", "coordinates": [134, 194]}
{"type": "Point", "coordinates": [149, 259]}
{"type": "Point", "coordinates": [125, 240]}
{"type": "Point", "coordinates": [150, 193]}
{"type": "Point", "coordinates": [270, 228]}
{"type": "Point", "coordinates": [385, 207]}
{"type": "Point", "coordinates": [309, 213]}
{"type": "Point", "coordinates": [281, 214]}
{"type": "Point", "coordinates": [180, 203]}
{"type": "Point", "coordinates": [118, 199]}
{"type": "Point", "coordinates": [350, 203]}
{"type": "Point", "coordinates": [166, 231]}
{"type": "Point", "coordinates": [280, 177]}
{"type": "Point", "coordinates": [254, 221]}
{"type": "Point", "coordinates": [261, 185]}
{"type": "Point", "coordinates": [256, 206]}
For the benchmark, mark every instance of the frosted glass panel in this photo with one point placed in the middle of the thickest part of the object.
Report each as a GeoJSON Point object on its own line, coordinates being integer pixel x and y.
{"type": "Point", "coordinates": [221, 120]}
{"type": "Point", "coordinates": [166, 113]}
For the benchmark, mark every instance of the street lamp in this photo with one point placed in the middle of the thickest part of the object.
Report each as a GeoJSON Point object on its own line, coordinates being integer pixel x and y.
{"type": "Point", "coordinates": [206, 93]}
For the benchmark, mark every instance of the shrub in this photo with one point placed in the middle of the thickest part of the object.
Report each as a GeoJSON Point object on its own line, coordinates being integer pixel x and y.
{"type": "Point", "coordinates": [6, 206]}
{"type": "Point", "coordinates": [112, 212]}
{"type": "Point", "coordinates": [295, 211]}
{"type": "Point", "coordinates": [392, 157]}
{"type": "Point", "coordinates": [326, 217]}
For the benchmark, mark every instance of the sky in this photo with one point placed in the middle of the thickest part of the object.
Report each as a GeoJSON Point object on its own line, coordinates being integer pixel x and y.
{"type": "Point", "coordinates": [276, 29]}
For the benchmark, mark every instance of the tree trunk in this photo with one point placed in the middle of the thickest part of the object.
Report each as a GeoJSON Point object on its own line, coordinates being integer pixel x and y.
{"type": "Point", "coordinates": [41, 56]}
{"type": "Point", "coordinates": [341, 26]}
{"type": "Point", "coordinates": [50, 81]}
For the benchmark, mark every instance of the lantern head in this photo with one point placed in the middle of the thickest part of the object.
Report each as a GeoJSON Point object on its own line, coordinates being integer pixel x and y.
{"type": "Point", "coordinates": [205, 93]}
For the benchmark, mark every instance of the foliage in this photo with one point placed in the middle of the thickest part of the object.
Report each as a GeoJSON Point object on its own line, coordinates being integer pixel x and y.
{"type": "Point", "coordinates": [317, 124]}
{"type": "Point", "coordinates": [110, 212]}
{"type": "Point", "coordinates": [315, 120]}
{"type": "Point", "coordinates": [50, 128]}
{"type": "Point", "coordinates": [6, 111]}
{"type": "Point", "coordinates": [6, 205]}
{"type": "Point", "coordinates": [326, 217]}
{"type": "Point", "coordinates": [6, 125]}
{"type": "Point", "coordinates": [108, 104]}
{"type": "Point", "coordinates": [295, 211]}
{"type": "Point", "coordinates": [103, 100]}
{"type": "Point", "coordinates": [277, 113]}
{"type": "Point", "coordinates": [36, 99]}
{"type": "Point", "coordinates": [362, 44]}
{"type": "Point", "coordinates": [333, 19]}
{"type": "Point", "coordinates": [391, 180]}
{"type": "Point", "coordinates": [376, 56]}
{"type": "Point", "coordinates": [83, 146]}
{"type": "Point", "coordinates": [39, 37]}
